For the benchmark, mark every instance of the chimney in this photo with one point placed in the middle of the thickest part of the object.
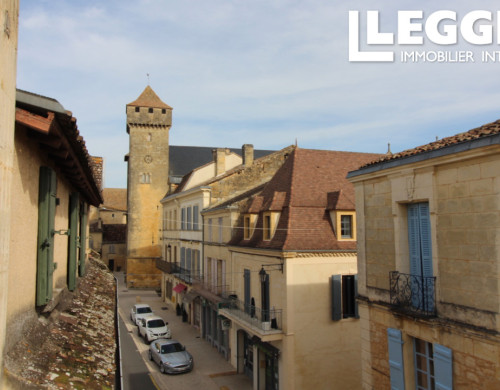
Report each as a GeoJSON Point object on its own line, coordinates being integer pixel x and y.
{"type": "Point", "coordinates": [247, 154]}
{"type": "Point", "coordinates": [220, 160]}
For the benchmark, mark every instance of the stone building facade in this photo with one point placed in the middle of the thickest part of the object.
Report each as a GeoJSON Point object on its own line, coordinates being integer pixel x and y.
{"type": "Point", "coordinates": [428, 258]}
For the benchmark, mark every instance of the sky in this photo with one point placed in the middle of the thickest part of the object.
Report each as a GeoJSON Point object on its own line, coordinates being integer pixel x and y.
{"type": "Point", "coordinates": [269, 73]}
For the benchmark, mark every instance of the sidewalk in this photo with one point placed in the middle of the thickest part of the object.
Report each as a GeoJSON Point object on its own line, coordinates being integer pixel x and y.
{"type": "Point", "coordinates": [211, 370]}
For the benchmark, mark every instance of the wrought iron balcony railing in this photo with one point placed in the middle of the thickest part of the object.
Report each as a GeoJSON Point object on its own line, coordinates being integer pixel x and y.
{"type": "Point", "coordinates": [187, 275]}
{"type": "Point", "coordinates": [414, 294]}
{"type": "Point", "coordinates": [263, 319]}
{"type": "Point", "coordinates": [202, 283]}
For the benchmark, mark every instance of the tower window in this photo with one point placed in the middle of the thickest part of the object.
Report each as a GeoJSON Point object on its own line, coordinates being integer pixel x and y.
{"type": "Point", "coordinates": [145, 178]}
{"type": "Point", "coordinates": [163, 111]}
{"type": "Point", "coordinates": [137, 109]}
{"type": "Point", "coordinates": [150, 137]}
{"type": "Point", "coordinates": [150, 110]}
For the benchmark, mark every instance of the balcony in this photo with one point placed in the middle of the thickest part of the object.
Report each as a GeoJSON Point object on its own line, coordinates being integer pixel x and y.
{"type": "Point", "coordinates": [184, 274]}
{"type": "Point", "coordinates": [413, 294]}
{"type": "Point", "coordinates": [267, 324]}
{"type": "Point", "coordinates": [204, 284]}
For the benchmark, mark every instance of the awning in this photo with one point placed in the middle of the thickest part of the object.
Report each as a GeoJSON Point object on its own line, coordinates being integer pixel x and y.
{"type": "Point", "coordinates": [189, 297]}
{"type": "Point", "coordinates": [179, 288]}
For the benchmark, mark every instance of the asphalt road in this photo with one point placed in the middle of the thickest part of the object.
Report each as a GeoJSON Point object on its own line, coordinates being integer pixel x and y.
{"type": "Point", "coordinates": [211, 371]}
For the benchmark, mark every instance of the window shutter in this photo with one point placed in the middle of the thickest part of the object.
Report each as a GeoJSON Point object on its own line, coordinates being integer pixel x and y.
{"type": "Point", "coordinates": [195, 217]}
{"type": "Point", "coordinates": [443, 367]}
{"type": "Point", "coordinates": [189, 218]}
{"type": "Point", "coordinates": [183, 219]}
{"type": "Point", "coordinates": [336, 297]}
{"type": "Point", "coordinates": [83, 240]}
{"type": "Point", "coordinates": [246, 276]}
{"type": "Point", "coordinates": [414, 240]}
{"type": "Point", "coordinates": [356, 310]}
{"type": "Point", "coordinates": [74, 204]}
{"type": "Point", "coordinates": [396, 359]}
{"type": "Point", "coordinates": [46, 222]}
{"type": "Point", "coordinates": [188, 262]}
{"type": "Point", "coordinates": [425, 239]}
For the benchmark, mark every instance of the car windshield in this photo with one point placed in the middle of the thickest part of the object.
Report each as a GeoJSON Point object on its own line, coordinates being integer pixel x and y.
{"type": "Point", "coordinates": [143, 310]}
{"type": "Point", "coordinates": [171, 348]}
{"type": "Point", "coordinates": [156, 324]}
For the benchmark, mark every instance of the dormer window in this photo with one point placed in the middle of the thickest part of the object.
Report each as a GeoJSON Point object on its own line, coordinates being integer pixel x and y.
{"type": "Point", "coordinates": [345, 224]}
{"type": "Point", "coordinates": [270, 221]}
{"type": "Point", "coordinates": [249, 221]}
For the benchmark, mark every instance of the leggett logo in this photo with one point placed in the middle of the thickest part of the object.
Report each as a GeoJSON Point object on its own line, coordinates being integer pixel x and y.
{"type": "Point", "coordinates": [441, 27]}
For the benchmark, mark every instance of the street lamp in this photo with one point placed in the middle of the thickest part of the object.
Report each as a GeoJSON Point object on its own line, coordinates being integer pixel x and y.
{"type": "Point", "coordinates": [262, 275]}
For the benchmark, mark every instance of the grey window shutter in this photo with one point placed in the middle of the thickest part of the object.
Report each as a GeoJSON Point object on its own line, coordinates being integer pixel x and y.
{"type": "Point", "coordinates": [74, 208]}
{"type": "Point", "coordinates": [183, 219]}
{"type": "Point", "coordinates": [336, 297]}
{"type": "Point", "coordinates": [195, 217]}
{"type": "Point", "coordinates": [189, 218]}
{"type": "Point", "coordinates": [443, 367]}
{"type": "Point", "coordinates": [396, 359]}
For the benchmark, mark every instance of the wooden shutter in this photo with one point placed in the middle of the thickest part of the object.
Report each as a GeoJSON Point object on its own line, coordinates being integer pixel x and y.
{"type": "Point", "coordinates": [414, 239]}
{"type": "Point", "coordinates": [83, 239]}
{"type": "Point", "coordinates": [195, 217]}
{"type": "Point", "coordinates": [425, 239]}
{"type": "Point", "coordinates": [189, 218]}
{"type": "Point", "coordinates": [47, 193]}
{"type": "Point", "coordinates": [246, 278]}
{"type": "Point", "coordinates": [74, 208]}
{"type": "Point", "coordinates": [396, 366]}
{"type": "Point", "coordinates": [336, 297]}
{"type": "Point", "coordinates": [183, 219]}
{"type": "Point", "coordinates": [443, 367]}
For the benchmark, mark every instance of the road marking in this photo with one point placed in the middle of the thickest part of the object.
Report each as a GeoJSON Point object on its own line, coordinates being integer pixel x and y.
{"type": "Point", "coordinates": [154, 382]}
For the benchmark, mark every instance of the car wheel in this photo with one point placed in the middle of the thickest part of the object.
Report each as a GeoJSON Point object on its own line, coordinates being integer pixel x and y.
{"type": "Point", "coordinates": [162, 368]}
{"type": "Point", "coordinates": [150, 355]}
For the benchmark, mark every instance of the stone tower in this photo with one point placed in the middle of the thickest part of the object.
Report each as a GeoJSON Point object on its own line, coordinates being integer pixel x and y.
{"type": "Point", "coordinates": [148, 124]}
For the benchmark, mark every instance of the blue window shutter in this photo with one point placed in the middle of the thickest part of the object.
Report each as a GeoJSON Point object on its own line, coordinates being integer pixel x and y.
{"type": "Point", "coordinates": [336, 297]}
{"type": "Point", "coordinates": [356, 311]}
{"type": "Point", "coordinates": [414, 240]}
{"type": "Point", "coordinates": [425, 239]}
{"type": "Point", "coordinates": [443, 367]}
{"type": "Point", "coordinates": [396, 359]}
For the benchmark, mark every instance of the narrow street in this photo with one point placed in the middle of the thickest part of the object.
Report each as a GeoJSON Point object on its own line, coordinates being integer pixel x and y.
{"type": "Point", "coordinates": [211, 371]}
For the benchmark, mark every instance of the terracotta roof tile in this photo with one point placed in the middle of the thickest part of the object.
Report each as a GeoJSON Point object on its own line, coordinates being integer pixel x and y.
{"type": "Point", "coordinates": [486, 130]}
{"type": "Point", "coordinates": [300, 189]}
{"type": "Point", "coordinates": [149, 98]}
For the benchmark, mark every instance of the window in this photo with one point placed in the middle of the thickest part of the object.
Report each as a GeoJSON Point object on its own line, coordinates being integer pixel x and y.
{"type": "Point", "coordinates": [210, 233]}
{"type": "Point", "coordinates": [432, 363]}
{"type": "Point", "coordinates": [163, 111]}
{"type": "Point", "coordinates": [150, 137]}
{"type": "Point", "coordinates": [267, 227]}
{"type": "Point", "coordinates": [344, 292]}
{"type": "Point", "coordinates": [137, 109]}
{"type": "Point", "coordinates": [345, 225]}
{"type": "Point", "coordinates": [145, 178]}
{"type": "Point", "coordinates": [183, 219]}
{"type": "Point", "coordinates": [150, 110]}
{"type": "Point", "coordinates": [174, 222]}
{"type": "Point", "coordinates": [111, 249]}
{"type": "Point", "coordinates": [246, 227]}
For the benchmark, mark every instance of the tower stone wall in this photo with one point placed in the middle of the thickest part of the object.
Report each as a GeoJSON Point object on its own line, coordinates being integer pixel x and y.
{"type": "Point", "coordinates": [148, 124]}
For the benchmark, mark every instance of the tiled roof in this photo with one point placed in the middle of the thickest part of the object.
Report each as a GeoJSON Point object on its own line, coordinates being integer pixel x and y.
{"type": "Point", "coordinates": [115, 198]}
{"type": "Point", "coordinates": [300, 189]}
{"type": "Point", "coordinates": [114, 233]}
{"type": "Point", "coordinates": [97, 168]}
{"type": "Point", "coordinates": [149, 98]}
{"type": "Point", "coordinates": [486, 130]}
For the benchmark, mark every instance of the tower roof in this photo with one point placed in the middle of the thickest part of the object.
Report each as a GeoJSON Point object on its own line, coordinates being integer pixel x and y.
{"type": "Point", "coordinates": [149, 98]}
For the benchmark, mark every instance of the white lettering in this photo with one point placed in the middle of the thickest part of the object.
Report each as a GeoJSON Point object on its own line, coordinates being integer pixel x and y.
{"type": "Point", "coordinates": [485, 35]}
{"type": "Point", "coordinates": [406, 27]}
{"type": "Point", "coordinates": [432, 28]}
{"type": "Point", "coordinates": [373, 36]}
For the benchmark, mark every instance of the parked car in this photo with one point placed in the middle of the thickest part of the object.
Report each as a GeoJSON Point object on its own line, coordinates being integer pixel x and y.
{"type": "Point", "coordinates": [171, 356]}
{"type": "Point", "coordinates": [152, 328]}
{"type": "Point", "coordinates": [140, 310]}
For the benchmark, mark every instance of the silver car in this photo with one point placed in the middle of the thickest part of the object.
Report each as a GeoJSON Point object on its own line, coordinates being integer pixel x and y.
{"type": "Point", "coordinates": [171, 356]}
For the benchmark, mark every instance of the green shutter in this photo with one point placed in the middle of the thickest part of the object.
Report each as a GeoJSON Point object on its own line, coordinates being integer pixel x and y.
{"type": "Point", "coordinates": [83, 239]}
{"type": "Point", "coordinates": [46, 219]}
{"type": "Point", "coordinates": [74, 208]}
